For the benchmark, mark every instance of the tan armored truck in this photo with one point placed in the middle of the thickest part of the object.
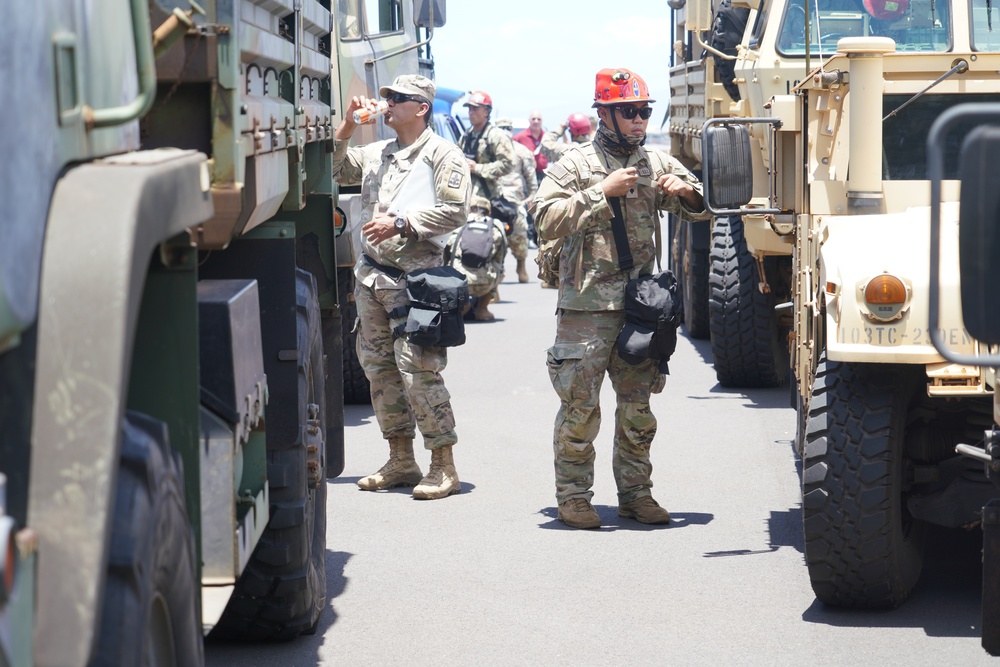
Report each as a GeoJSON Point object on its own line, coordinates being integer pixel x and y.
{"type": "Point", "coordinates": [170, 323]}
{"type": "Point", "coordinates": [734, 273]}
{"type": "Point", "coordinates": [845, 165]}
{"type": "Point", "coordinates": [979, 257]}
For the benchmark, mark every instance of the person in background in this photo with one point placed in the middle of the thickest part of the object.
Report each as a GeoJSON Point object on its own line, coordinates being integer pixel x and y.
{"type": "Point", "coordinates": [611, 177]}
{"type": "Point", "coordinates": [531, 137]}
{"type": "Point", "coordinates": [488, 151]}
{"type": "Point", "coordinates": [407, 389]}
{"type": "Point", "coordinates": [519, 186]}
{"type": "Point", "coordinates": [553, 142]}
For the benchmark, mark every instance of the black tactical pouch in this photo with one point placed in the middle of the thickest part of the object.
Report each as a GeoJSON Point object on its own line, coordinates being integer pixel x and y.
{"type": "Point", "coordinates": [652, 315]}
{"type": "Point", "coordinates": [437, 298]}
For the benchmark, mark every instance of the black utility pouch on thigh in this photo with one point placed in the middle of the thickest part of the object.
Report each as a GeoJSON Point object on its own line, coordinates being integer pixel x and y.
{"type": "Point", "coordinates": [437, 298]}
{"type": "Point", "coordinates": [652, 314]}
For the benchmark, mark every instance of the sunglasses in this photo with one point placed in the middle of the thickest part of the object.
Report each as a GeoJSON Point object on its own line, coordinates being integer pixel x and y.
{"type": "Point", "coordinates": [630, 112]}
{"type": "Point", "coordinates": [399, 98]}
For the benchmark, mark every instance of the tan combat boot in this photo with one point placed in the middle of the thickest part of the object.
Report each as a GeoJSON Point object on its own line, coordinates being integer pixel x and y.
{"type": "Point", "coordinates": [400, 470]}
{"type": "Point", "coordinates": [644, 510]}
{"type": "Point", "coordinates": [482, 313]}
{"type": "Point", "coordinates": [441, 480]}
{"type": "Point", "coordinates": [522, 272]}
{"type": "Point", "coordinates": [579, 513]}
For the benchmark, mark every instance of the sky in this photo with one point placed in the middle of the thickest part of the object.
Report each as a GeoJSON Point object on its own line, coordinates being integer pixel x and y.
{"type": "Point", "coordinates": [545, 54]}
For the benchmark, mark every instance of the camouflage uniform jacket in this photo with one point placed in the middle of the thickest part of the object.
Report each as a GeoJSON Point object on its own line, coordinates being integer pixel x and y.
{"type": "Point", "coordinates": [380, 168]}
{"type": "Point", "coordinates": [553, 147]}
{"type": "Point", "coordinates": [494, 155]}
{"type": "Point", "coordinates": [521, 184]}
{"type": "Point", "coordinates": [570, 203]}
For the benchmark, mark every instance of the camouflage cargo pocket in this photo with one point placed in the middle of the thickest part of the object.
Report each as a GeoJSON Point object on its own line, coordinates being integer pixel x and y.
{"type": "Point", "coordinates": [566, 366]}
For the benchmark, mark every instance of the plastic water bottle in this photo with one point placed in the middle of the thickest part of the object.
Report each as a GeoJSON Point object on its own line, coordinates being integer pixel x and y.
{"type": "Point", "coordinates": [367, 115]}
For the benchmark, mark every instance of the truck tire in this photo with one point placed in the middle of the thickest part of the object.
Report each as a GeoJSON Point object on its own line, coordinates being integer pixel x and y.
{"type": "Point", "coordinates": [150, 614]}
{"type": "Point", "coordinates": [282, 591]}
{"type": "Point", "coordinates": [746, 340]}
{"type": "Point", "coordinates": [357, 390]}
{"type": "Point", "coordinates": [694, 270]}
{"type": "Point", "coordinates": [862, 548]}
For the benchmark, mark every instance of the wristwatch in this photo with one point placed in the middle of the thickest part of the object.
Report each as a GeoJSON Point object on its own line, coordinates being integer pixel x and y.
{"type": "Point", "coordinates": [401, 225]}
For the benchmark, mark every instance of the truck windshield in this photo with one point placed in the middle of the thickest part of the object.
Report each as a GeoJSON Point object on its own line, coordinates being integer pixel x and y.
{"type": "Point", "coordinates": [915, 25]}
{"type": "Point", "coordinates": [985, 25]}
{"type": "Point", "coordinates": [904, 148]}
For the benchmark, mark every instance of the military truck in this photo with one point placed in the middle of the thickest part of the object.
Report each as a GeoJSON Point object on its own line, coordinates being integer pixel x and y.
{"type": "Point", "coordinates": [879, 410]}
{"type": "Point", "coordinates": [979, 255]}
{"type": "Point", "coordinates": [734, 273]}
{"type": "Point", "coordinates": [170, 324]}
{"type": "Point", "coordinates": [401, 41]}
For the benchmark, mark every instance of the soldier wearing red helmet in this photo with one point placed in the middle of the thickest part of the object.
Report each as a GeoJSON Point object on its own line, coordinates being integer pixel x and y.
{"type": "Point", "coordinates": [611, 177]}
{"type": "Point", "coordinates": [553, 144]}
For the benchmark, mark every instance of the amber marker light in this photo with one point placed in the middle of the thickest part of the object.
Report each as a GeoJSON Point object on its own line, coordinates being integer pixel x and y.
{"type": "Point", "coordinates": [885, 289]}
{"type": "Point", "coordinates": [885, 296]}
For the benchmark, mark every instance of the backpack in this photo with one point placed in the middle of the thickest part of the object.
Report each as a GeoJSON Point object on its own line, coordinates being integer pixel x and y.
{"type": "Point", "coordinates": [547, 260]}
{"type": "Point", "coordinates": [475, 242]}
{"type": "Point", "coordinates": [437, 298]}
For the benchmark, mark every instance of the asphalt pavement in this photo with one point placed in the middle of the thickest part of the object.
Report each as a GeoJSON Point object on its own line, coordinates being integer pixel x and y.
{"type": "Point", "coordinates": [491, 577]}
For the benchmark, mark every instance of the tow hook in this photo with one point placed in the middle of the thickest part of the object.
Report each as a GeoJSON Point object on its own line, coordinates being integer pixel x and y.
{"type": "Point", "coordinates": [989, 454]}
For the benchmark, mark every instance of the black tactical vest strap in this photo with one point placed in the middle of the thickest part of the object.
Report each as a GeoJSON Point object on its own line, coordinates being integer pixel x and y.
{"type": "Point", "coordinates": [625, 262]}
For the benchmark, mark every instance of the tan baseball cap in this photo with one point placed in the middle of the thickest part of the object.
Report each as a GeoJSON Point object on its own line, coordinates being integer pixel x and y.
{"type": "Point", "coordinates": [505, 123]}
{"type": "Point", "coordinates": [481, 203]}
{"type": "Point", "coordinates": [411, 84]}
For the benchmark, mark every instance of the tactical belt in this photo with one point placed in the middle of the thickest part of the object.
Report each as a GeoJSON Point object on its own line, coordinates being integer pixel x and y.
{"type": "Point", "coordinates": [391, 271]}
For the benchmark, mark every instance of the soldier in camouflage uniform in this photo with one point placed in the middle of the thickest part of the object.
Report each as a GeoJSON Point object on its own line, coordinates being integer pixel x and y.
{"type": "Point", "coordinates": [573, 202]}
{"type": "Point", "coordinates": [482, 280]}
{"type": "Point", "coordinates": [519, 186]}
{"type": "Point", "coordinates": [407, 389]}
{"type": "Point", "coordinates": [489, 153]}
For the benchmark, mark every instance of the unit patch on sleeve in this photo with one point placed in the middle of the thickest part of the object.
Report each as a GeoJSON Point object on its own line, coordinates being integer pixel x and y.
{"type": "Point", "coordinates": [455, 178]}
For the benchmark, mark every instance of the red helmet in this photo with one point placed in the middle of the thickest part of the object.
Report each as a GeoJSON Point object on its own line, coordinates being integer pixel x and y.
{"type": "Point", "coordinates": [578, 124]}
{"type": "Point", "coordinates": [618, 85]}
{"type": "Point", "coordinates": [886, 9]}
{"type": "Point", "coordinates": [478, 98]}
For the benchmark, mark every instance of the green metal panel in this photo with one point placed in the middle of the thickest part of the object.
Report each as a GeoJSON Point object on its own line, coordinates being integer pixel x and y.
{"type": "Point", "coordinates": [164, 377]}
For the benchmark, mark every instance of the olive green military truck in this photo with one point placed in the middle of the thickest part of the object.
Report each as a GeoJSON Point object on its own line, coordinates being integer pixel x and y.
{"type": "Point", "coordinates": [842, 160]}
{"type": "Point", "coordinates": [171, 392]}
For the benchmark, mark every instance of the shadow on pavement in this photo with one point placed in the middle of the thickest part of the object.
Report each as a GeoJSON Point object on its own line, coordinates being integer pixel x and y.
{"type": "Point", "coordinates": [610, 521]}
{"type": "Point", "coordinates": [946, 600]}
{"type": "Point", "coordinates": [302, 651]}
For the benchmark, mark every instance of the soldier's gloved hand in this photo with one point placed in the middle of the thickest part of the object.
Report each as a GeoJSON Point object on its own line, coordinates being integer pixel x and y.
{"type": "Point", "coordinates": [618, 182]}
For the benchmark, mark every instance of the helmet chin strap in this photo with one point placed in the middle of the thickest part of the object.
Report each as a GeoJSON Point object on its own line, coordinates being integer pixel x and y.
{"type": "Point", "coordinates": [623, 141]}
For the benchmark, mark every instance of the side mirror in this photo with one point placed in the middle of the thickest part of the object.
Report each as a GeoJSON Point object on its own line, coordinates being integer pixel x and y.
{"type": "Point", "coordinates": [429, 13]}
{"type": "Point", "coordinates": [979, 233]}
{"type": "Point", "coordinates": [727, 167]}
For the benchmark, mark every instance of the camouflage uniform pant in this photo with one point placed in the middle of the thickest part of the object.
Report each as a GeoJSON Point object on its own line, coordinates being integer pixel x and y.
{"type": "Point", "coordinates": [518, 238]}
{"type": "Point", "coordinates": [583, 352]}
{"type": "Point", "coordinates": [407, 388]}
